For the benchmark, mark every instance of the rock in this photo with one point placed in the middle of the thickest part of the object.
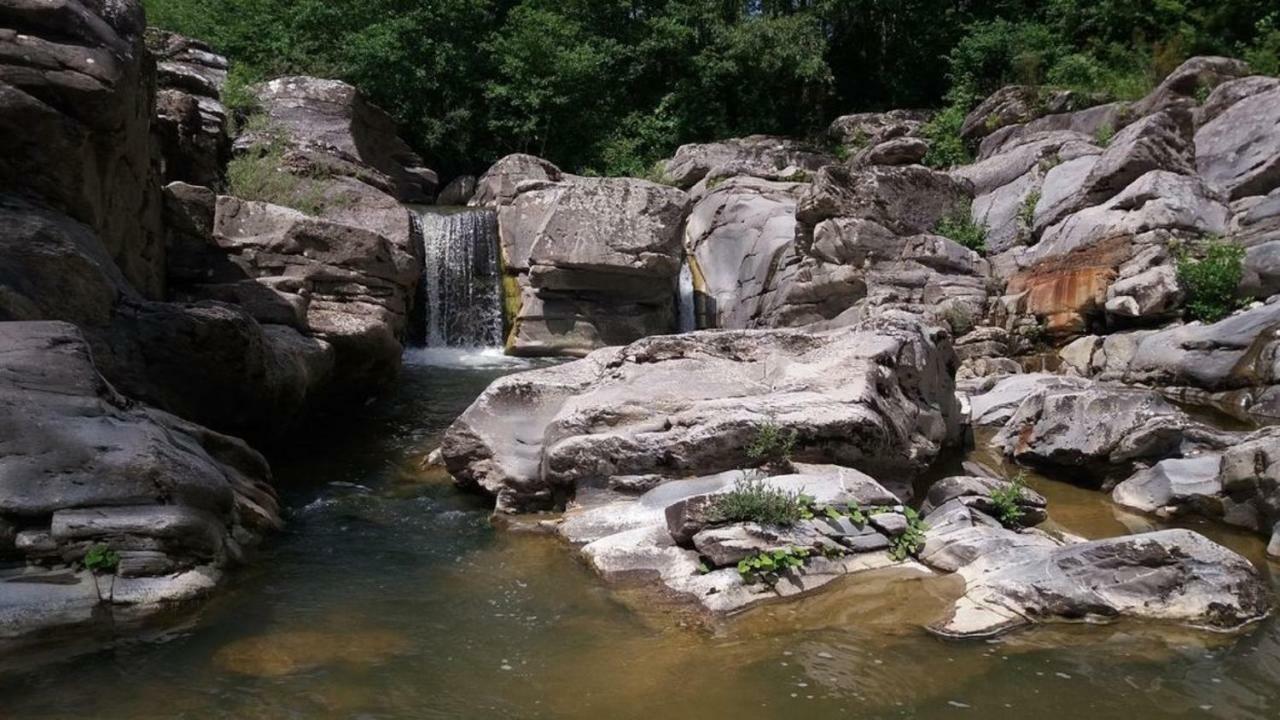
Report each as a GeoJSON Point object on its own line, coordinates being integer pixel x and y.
{"type": "Point", "coordinates": [1255, 225]}
{"type": "Point", "coordinates": [1238, 152]}
{"type": "Point", "coordinates": [1232, 354]}
{"type": "Point", "coordinates": [864, 130]}
{"type": "Point", "coordinates": [1058, 428]}
{"type": "Point", "coordinates": [1176, 481]}
{"type": "Point", "coordinates": [734, 235]}
{"type": "Point", "coordinates": [1157, 142]}
{"type": "Point", "coordinates": [1231, 92]}
{"type": "Point", "coordinates": [76, 83]}
{"type": "Point", "coordinates": [1201, 74]}
{"type": "Point", "coordinates": [997, 405]}
{"type": "Point", "coordinates": [1012, 105]}
{"type": "Point", "coordinates": [280, 654]}
{"type": "Point", "coordinates": [898, 151]}
{"type": "Point", "coordinates": [1153, 294]}
{"type": "Point", "coordinates": [1273, 548]}
{"type": "Point", "coordinates": [1172, 575]}
{"type": "Point", "coordinates": [596, 260]}
{"type": "Point", "coordinates": [337, 127]}
{"type": "Point", "coordinates": [762, 156]}
{"type": "Point", "coordinates": [114, 472]}
{"type": "Point", "coordinates": [727, 546]}
{"type": "Point", "coordinates": [1090, 122]}
{"type": "Point", "coordinates": [1250, 479]}
{"type": "Point", "coordinates": [906, 200]}
{"type": "Point", "coordinates": [190, 120]}
{"type": "Point", "coordinates": [687, 518]}
{"type": "Point", "coordinates": [976, 493]}
{"type": "Point", "coordinates": [958, 535]}
{"type": "Point", "coordinates": [459, 191]}
{"type": "Point", "coordinates": [499, 184]}
{"type": "Point", "coordinates": [690, 404]}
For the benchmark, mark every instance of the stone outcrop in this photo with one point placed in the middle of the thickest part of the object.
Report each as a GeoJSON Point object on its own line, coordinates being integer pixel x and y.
{"type": "Point", "coordinates": [166, 505]}
{"type": "Point", "coordinates": [589, 262]}
{"type": "Point", "coordinates": [762, 156]}
{"type": "Point", "coordinates": [76, 99]}
{"type": "Point", "coordinates": [190, 121]}
{"type": "Point", "coordinates": [873, 397]}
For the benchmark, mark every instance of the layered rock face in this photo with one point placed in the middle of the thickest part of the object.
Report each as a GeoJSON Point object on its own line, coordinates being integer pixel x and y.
{"type": "Point", "coordinates": [761, 156]}
{"type": "Point", "coordinates": [190, 120]}
{"type": "Point", "coordinates": [877, 396]}
{"type": "Point", "coordinates": [590, 262]}
{"type": "Point", "coordinates": [83, 470]}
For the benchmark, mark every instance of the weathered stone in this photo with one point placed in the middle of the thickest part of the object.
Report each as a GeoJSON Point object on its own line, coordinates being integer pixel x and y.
{"type": "Point", "coordinates": [1152, 294]}
{"type": "Point", "coordinates": [190, 120]}
{"type": "Point", "coordinates": [1013, 105]}
{"type": "Point", "coordinates": [1238, 152]}
{"type": "Point", "coordinates": [898, 151]}
{"type": "Point", "coordinates": [498, 186]}
{"type": "Point", "coordinates": [756, 155]}
{"type": "Point", "coordinates": [976, 493]}
{"type": "Point", "coordinates": [690, 404]}
{"type": "Point", "coordinates": [459, 191]}
{"type": "Point", "coordinates": [1176, 481]}
{"type": "Point", "coordinates": [1231, 92]}
{"type": "Point", "coordinates": [996, 405]}
{"type": "Point", "coordinates": [907, 200]}
{"type": "Point", "coordinates": [1198, 75]}
{"type": "Point", "coordinates": [863, 130]}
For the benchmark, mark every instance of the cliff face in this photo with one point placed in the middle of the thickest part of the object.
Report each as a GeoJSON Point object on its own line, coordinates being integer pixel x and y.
{"type": "Point", "coordinates": [138, 298]}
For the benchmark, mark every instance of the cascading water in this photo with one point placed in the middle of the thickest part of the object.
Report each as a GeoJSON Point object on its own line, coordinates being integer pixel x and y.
{"type": "Point", "coordinates": [461, 312]}
{"type": "Point", "coordinates": [686, 313]}
{"type": "Point", "coordinates": [462, 289]}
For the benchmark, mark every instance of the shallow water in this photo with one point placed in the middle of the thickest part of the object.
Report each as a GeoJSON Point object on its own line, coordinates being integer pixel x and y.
{"type": "Point", "coordinates": [390, 596]}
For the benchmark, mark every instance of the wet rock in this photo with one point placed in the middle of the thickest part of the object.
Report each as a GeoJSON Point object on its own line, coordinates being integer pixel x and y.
{"type": "Point", "coordinates": [287, 653]}
{"type": "Point", "coordinates": [756, 155]}
{"type": "Point", "coordinates": [690, 404]}
{"type": "Point", "coordinates": [1173, 575]}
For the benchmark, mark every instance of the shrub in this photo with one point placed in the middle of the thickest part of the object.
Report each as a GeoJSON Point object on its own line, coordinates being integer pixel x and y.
{"type": "Point", "coordinates": [1104, 135]}
{"type": "Point", "coordinates": [772, 445]}
{"type": "Point", "coordinates": [101, 558]}
{"type": "Point", "coordinates": [751, 500]}
{"type": "Point", "coordinates": [946, 148]}
{"type": "Point", "coordinates": [1005, 499]}
{"type": "Point", "coordinates": [1027, 213]}
{"type": "Point", "coordinates": [961, 228]}
{"type": "Point", "coordinates": [1211, 275]}
{"type": "Point", "coordinates": [960, 319]}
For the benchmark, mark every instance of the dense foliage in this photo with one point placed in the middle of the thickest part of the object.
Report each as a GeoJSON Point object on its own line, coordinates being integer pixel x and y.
{"type": "Point", "coordinates": [611, 85]}
{"type": "Point", "coordinates": [1210, 273]}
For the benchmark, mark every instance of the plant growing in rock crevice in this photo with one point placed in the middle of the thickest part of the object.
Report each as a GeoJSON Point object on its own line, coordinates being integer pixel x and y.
{"type": "Point", "coordinates": [1006, 499]}
{"type": "Point", "coordinates": [752, 500]}
{"type": "Point", "coordinates": [1211, 274]}
{"type": "Point", "coordinates": [961, 228]}
{"type": "Point", "coordinates": [772, 446]}
{"type": "Point", "coordinates": [768, 566]}
{"type": "Point", "coordinates": [1027, 213]}
{"type": "Point", "coordinates": [101, 558]}
{"type": "Point", "coordinates": [909, 543]}
{"type": "Point", "coordinates": [261, 172]}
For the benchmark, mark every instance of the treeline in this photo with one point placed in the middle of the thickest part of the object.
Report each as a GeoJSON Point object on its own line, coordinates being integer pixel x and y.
{"type": "Point", "coordinates": [609, 86]}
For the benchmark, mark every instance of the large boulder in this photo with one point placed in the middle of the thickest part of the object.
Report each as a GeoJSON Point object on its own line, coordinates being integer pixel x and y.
{"type": "Point", "coordinates": [341, 132]}
{"type": "Point", "coordinates": [76, 97]}
{"type": "Point", "coordinates": [499, 183]}
{"type": "Point", "coordinates": [733, 236]}
{"type": "Point", "coordinates": [1197, 77]}
{"type": "Point", "coordinates": [82, 468]}
{"type": "Point", "coordinates": [877, 396]}
{"type": "Point", "coordinates": [1238, 152]}
{"type": "Point", "coordinates": [190, 122]}
{"type": "Point", "coordinates": [1013, 105]}
{"type": "Point", "coordinates": [594, 261]}
{"type": "Point", "coordinates": [761, 156]}
{"type": "Point", "coordinates": [907, 200]}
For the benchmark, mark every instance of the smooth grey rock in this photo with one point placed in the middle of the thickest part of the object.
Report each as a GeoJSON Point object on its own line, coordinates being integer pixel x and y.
{"type": "Point", "coordinates": [756, 155]}
{"type": "Point", "coordinates": [690, 404]}
{"type": "Point", "coordinates": [1173, 575]}
{"type": "Point", "coordinates": [1193, 77]}
{"type": "Point", "coordinates": [727, 546]}
{"type": "Point", "coordinates": [897, 151]}
{"type": "Point", "coordinates": [459, 191]}
{"type": "Point", "coordinates": [976, 493]}
{"type": "Point", "coordinates": [996, 405]}
{"type": "Point", "coordinates": [863, 130]}
{"type": "Point", "coordinates": [1231, 92]}
{"type": "Point", "coordinates": [1176, 481]}
{"type": "Point", "coordinates": [498, 185]}
{"type": "Point", "coordinates": [1238, 152]}
{"type": "Point", "coordinates": [1154, 293]}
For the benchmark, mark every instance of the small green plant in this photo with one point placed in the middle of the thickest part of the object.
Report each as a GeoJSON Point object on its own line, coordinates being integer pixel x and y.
{"type": "Point", "coordinates": [909, 543]}
{"type": "Point", "coordinates": [960, 319]}
{"type": "Point", "coordinates": [768, 566]}
{"type": "Point", "coordinates": [260, 173]}
{"type": "Point", "coordinates": [799, 176]}
{"type": "Point", "coordinates": [715, 182]}
{"type": "Point", "coordinates": [1027, 213]}
{"type": "Point", "coordinates": [1203, 90]}
{"type": "Point", "coordinates": [772, 445]}
{"type": "Point", "coordinates": [1104, 135]}
{"type": "Point", "coordinates": [1210, 273]}
{"type": "Point", "coordinates": [657, 173]}
{"type": "Point", "coordinates": [1006, 500]}
{"type": "Point", "coordinates": [751, 500]}
{"type": "Point", "coordinates": [946, 148]}
{"type": "Point", "coordinates": [842, 152]}
{"type": "Point", "coordinates": [101, 558]}
{"type": "Point", "coordinates": [960, 227]}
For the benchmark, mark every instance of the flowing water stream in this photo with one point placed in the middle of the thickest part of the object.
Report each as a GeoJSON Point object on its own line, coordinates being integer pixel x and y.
{"type": "Point", "coordinates": [391, 596]}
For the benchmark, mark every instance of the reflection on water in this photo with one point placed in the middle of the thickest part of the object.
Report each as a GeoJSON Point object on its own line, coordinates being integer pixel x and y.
{"type": "Point", "coordinates": [391, 596]}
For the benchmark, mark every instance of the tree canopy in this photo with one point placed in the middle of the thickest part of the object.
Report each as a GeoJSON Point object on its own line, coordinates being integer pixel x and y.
{"type": "Point", "coordinates": [609, 86]}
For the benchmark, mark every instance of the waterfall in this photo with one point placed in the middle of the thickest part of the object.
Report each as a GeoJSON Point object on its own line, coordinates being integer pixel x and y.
{"type": "Point", "coordinates": [687, 315]}
{"type": "Point", "coordinates": [462, 289]}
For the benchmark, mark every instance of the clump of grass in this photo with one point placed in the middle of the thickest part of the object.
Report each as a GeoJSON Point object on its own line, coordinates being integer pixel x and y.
{"type": "Point", "coordinates": [961, 228]}
{"type": "Point", "coordinates": [260, 173]}
{"type": "Point", "coordinates": [657, 173]}
{"type": "Point", "coordinates": [1104, 135]}
{"type": "Point", "coordinates": [799, 176]}
{"type": "Point", "coordinates": [772, 446]}
{"type": "Point", "coordinates": [1006, 501]}
{"type": "Point", "coordinates": [1027, 213]}
{"type": "Point", "coordinates": [751, 500]}
{"type": "Point", "coordinates": [1211, 274]}
{"type": "Point", "coordinates": [959, 319]}
{"type": "Point", "coordinates": [101, 558]}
